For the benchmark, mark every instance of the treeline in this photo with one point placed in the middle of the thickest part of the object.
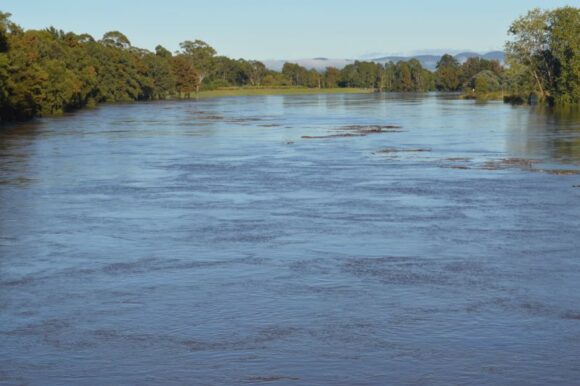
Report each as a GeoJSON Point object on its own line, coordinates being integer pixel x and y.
{"type": "Point", "coordinates": [401, 76]}
{"type": "Point", "coordinates": [46, 72]}
{"type": "Point", "coordinates": [50, 71]}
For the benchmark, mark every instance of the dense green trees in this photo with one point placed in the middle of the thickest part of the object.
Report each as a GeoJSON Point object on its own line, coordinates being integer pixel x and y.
{"type": "Point", "coordinates": [201, 56]}
{"type": "Point", "coordinates": [255, 71]}
{"type": "Point", "coordinates": [484, 82]}
{"type": "Point", "coordinates": [564, 41]}
{"type": "Point", "coordinates": [474, 66]}
{"type": "Point", "coordinates": [160, 72]}
{"type": "Point", "coordinates": [402, 76]}
{"type": "Point", "coordinates": [476, 76]}
{"type": "Point", "coordinates": [331, 77]}
{"type": "Point", "coordinates": [448, 74]}
{"type": "Point", "coordinates": [52, 71]}
{"type": "Point", "coordinates": [543, 54]}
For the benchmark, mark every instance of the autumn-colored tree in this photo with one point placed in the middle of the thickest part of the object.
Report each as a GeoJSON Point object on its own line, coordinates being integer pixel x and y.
{"type": "Point", "coordinates": [405, 80]}
{"type": "Point", "coordinates": [331, 77]}
{"type": "Point", "coordinates": [201, 55]}
{"type": "Point", "coordinates": [448, 74]}
{"type": "Point", "coordinates": [186, 80]}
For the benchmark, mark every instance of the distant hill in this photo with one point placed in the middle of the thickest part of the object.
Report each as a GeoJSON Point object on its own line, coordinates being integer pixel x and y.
{"type": "Point", "coordinates": [495, 55]}
{"type": "Point", "coordinates": [316, 63]}
{"type": "Point", "coordinates": [463, 56]}
{"type": "Point", "coordinates": [428, 61]}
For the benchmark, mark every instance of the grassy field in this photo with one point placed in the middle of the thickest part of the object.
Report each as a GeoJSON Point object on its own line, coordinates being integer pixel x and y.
{"type": "Point", "coordinates": [227, 92]}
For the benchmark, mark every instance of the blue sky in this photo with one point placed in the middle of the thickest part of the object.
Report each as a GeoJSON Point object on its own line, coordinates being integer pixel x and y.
{"type": "Point", "coordinates": [289, 29]}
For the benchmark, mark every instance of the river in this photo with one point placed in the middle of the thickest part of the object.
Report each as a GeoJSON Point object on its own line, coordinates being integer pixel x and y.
{"type": "Point", "coordinates": [292, 240]}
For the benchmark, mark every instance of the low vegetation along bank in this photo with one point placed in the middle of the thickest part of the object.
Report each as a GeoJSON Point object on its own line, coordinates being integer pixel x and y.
{"type": "Point", "coordinates": [46, 72]}
{"type": "Point", "coordinates": [251, 91]}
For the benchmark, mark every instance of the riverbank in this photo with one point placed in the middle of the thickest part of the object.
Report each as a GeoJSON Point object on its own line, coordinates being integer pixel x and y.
{"type": "Point", "coordinates": [251, 91]}
{"type": "Point", "coordinates": [488, 96]}
{"type": "Point", "coordinates": [230, 92]}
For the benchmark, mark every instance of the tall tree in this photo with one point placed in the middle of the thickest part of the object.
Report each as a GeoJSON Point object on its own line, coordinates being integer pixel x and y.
{"type": "Point", "coordinates": [186, 80]}
{"type": "Point", "coordinates": [116, 39]}
{"type": "Point", "coordinates": [331, 77]}
{"type": "Point", "coordinates": [256, 72]}
{"type": "Point", "coordinates": [405, 79]}
{"type": "Point", "coordinates": [448, 74]}
{"type": "Point", "coordinates": [529, 48]}
{"type": "Point", "coordinates": [4, 29]}
{"type": "Point", "coordinates": [295, 73]}
{"type": "Point", "coordinates": [161, 75]}
{"type": "Point", "coordinates": [162, 52]}
{"type": "Point", "coordinates": [546, 44]}
{"type": "Point", "coordinates": [564, 43]}
{"type": "Point", "coordinates": [201, 55]}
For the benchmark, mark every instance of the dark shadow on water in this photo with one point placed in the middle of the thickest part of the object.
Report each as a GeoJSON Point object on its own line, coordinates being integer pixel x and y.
{"type": "Point", "coordinates": [541, 132]}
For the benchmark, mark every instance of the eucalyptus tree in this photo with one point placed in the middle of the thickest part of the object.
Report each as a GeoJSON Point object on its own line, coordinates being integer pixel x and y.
{"type": "Point", "coordinates": [331, 77]}
{"type": "Point", "coordinates": [202, 57]}
{"type": "Point", "coordinates": [389, 70]}
{"type": "Point", "coordinates": [313, 79]}
{"type": "Point", "coordinates": [116, 39]}
{"type": "Point", "coordinates": [295, 73]}
{"type": "Point", "coordinates": [162, 52]}
{"type": "Point", "coordinates": [256, 72]}
{"type": "Point", "coordinates": [186, 80]}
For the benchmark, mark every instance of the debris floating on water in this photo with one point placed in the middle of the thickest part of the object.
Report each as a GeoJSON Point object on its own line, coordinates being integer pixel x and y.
{"type": "Point", "coordinates": [458, 159]}
{"type": "Point", "coordinates": [397, 150]}
{"type": "Point", "coordinates": [358, 131]}
{"type": "Point", "coordinates": [505, 164]}
{"type": "Point", "coordinates": [332, 136]}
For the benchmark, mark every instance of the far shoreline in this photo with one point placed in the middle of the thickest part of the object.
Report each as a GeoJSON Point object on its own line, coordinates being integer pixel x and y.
{"type": "Point", "coordinates": [243, 92]}
{"type": "Point", "coordinates": [267, 91]}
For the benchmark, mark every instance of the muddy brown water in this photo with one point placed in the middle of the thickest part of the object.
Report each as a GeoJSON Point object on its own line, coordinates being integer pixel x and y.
{"type": "Point", "coordinates": [208, 243]}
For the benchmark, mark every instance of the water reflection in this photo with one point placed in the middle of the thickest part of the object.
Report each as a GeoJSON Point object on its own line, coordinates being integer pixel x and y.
{"type": "Point", "coordinates": [563, 126]}
{"type": "Point", "coordinates": [547, 134]}
{"type": "Point", "coordinates": [16, 146]}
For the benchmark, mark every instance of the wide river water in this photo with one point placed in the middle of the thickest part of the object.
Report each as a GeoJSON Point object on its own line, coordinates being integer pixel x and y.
{"type": "Point", "coordinates": [209, 243]}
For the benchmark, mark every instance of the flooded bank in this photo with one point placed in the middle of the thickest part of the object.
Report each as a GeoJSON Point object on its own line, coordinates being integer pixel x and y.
{"type": "Point", "coordinates": [249, 241]}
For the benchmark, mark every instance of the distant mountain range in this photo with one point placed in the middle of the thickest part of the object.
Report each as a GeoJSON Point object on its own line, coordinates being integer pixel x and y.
{"type": "Point", "coordinates": [428, 61]}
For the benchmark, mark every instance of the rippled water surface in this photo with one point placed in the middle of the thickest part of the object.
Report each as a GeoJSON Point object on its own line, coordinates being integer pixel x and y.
{"type": "Point", "coordinates": [210, 243]}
